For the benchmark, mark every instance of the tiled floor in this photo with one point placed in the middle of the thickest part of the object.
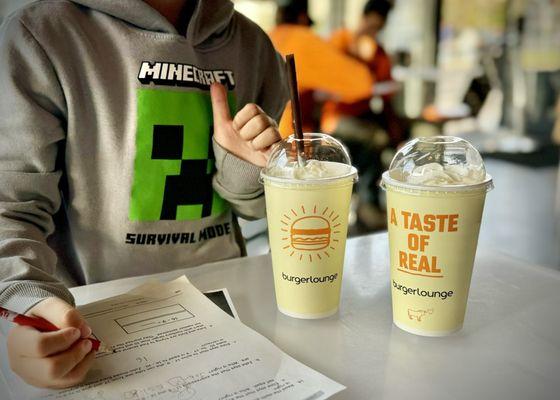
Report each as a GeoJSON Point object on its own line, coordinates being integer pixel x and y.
{"type": "Point", "coordinates": [519, 218]}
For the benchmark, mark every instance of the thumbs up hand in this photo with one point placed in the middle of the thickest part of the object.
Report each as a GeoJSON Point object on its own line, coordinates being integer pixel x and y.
{"type": "Point", "coordinates": [249, 134]}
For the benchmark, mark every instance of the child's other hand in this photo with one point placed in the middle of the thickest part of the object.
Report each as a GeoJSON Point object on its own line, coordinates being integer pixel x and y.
{"type": "Point", "coordinates": [52, 359]}
{"type": "Point", "coordinates": [249, 135]}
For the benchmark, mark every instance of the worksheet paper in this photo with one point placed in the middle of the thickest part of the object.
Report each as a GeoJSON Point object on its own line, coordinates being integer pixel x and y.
{"type": "Point", "coordinates": [170, 342]}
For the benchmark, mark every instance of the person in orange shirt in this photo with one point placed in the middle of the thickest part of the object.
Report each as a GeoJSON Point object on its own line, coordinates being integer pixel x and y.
{"type": "Point", "coordinates": [321, 68]}
{"type": "Point", "coordinates": [366, 126]}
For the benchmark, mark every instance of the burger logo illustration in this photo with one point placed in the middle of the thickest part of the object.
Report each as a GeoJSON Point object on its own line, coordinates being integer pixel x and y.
{"type": "Point", "coordinates": [310, 232]}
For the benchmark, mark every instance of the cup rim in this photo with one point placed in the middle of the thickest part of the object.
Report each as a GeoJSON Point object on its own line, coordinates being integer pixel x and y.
{"type": "Point", "coordinates": [352, 173]}
{"type": "Point", "coordinates": [487, 185]}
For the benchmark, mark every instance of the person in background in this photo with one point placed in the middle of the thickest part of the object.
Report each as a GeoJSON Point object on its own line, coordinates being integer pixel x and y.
{"type": "Point", "coordinates": [119, 154]}
{"type": "Point", "coordinates": [366, 126]}
{"type": "Point", "coordinates": [322, 70]}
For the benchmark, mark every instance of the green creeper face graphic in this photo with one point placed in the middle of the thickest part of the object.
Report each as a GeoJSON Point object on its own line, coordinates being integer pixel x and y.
{"type": "Point", "coordinates": [174, 161]}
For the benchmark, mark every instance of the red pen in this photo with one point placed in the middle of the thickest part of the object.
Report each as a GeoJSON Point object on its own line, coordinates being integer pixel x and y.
{"type": "Point", "coordinates": [38, 323]}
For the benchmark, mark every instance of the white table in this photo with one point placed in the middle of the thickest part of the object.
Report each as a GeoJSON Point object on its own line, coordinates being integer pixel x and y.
{"type": "Point", "coordinates": [509, 347]}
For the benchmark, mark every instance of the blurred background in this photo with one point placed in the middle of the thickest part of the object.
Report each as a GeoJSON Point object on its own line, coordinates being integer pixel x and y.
{"type": "Point", "coordinates": [378, 73]}
{"type": "Point", "coordinates": [485, 70]}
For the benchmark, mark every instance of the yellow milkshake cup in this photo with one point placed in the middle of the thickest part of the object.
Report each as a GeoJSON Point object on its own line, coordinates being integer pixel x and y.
{"type": "Point", "coordinates": [307, 210]}
{"type": "Point", "coordinates": [436, 189]}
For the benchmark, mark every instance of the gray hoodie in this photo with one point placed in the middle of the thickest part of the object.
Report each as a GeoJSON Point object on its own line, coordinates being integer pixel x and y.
{"type": "Point", "coordinates": [107, 164]}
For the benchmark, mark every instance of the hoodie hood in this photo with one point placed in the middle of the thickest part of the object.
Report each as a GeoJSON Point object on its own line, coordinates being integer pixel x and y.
{"type": "Point", "coordinates": [210, 17]}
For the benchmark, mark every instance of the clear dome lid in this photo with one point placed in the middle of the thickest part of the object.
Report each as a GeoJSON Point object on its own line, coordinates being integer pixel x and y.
{"type": "Point", "coordinates": [440, 161]}
{"type": "Point", "coordinates": [323, 158]}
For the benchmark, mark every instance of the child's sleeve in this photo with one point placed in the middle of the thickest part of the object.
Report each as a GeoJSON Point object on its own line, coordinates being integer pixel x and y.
{"type": "Point", "coordinates": [32, 110]}
{"type": "Point", "coordinates": [236, 180]}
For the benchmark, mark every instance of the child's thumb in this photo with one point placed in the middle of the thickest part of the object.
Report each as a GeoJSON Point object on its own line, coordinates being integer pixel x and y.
{"type": "Point", "coordinates": [61, 314]}
{"type": "Point", "coordinates": [220, 106]}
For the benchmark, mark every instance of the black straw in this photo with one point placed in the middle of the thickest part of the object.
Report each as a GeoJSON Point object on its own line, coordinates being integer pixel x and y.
{"type": "Point", "coordinates": [296, 108]}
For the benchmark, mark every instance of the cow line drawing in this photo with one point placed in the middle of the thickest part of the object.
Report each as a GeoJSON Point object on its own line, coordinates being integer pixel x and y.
{"type": "Point", "coordinates": [419, 314]}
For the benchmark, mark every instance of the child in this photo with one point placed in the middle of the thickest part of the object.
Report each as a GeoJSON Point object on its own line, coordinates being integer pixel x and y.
{"type": "Point", "coordinates": [116, 161]}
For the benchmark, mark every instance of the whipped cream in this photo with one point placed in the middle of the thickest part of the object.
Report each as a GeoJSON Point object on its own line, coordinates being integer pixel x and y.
{"type": "Point", "coordinates": [434, 174]}
{"type": "Point", "coordinates": [312, 170]}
